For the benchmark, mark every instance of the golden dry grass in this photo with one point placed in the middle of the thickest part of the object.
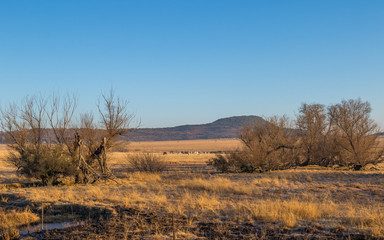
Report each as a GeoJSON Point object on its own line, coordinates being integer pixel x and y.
{"type": "Point", "coordinates": [288, 211]}
{"type": "Point", "coordinates": [176, 162]}
{"type": "Point", "coordinates": [289, 198]}
{"type": "Point", "coordinates": [208, 145]}
{"type": "Point", "coordinates": [10, 220]}
{"type": "Point", "coordinates": [7, 171]}
{"type": "Point", "coordinates": [118, 161]}
{"type": "Point", "coordinates": [13, 218]}
{"type": "Point", "coordinates": [217, 185]}
{"type": "Point", "coordinates": [4, 150]}
{"type": "Point", "coordinates": [370, 218]}
{"type": "Point", "coordinates": [297, 197]}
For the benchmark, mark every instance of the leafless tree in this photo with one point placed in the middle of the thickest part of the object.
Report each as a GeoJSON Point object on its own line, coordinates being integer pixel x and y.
{"type": "Point", "coordinates": [60, 113]}
{"type": "Point", "coordinates": [16, 130]}
{"type": "Point", "coordinates": [46, 140]}
{"type": "Point", "coordinates": [25, 125]}
{"type": "Point", "coordinates": [26, 129]}
{"type": "Point", "coordinates": [343, 134]}
{"type": "Point", "coordinates": [115, 117]}
{"type": "Point", "coordinates": [97, 139]}
{"type": "Point", "coordinates": [313, 126]}
{"type": "Point", "coordinates": [270, 145]}
{"type": "Point", "coordinates": [356, 132]}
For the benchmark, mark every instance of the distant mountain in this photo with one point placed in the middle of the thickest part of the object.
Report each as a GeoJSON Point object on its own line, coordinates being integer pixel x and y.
{"type": "Point", "coordinates": [222, 128]}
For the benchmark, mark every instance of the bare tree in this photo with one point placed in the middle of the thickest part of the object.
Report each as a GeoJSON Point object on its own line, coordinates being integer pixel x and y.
{"type": "Point", "coordinates": [25, 125]}
{"type": "Point", "coordinates": [313, 126]}
{"type": "Point", "coordinates": [115, 121]}
{"type": "Point", "coordinates": [115, 117]}
{"type": "Point", "coordinates": [356, 132]}
{"type": "Point", "coordinates": [26, 130]}
{"type": "Point", "coordinates": [269, 146]}
{"type": "Point", "coordinates": [60, 113]}
{"type": "Point", "coordinates": [343, 134]}
{"type": "Point", "coordinates": [49, 145]}
{"type": "Point", "coordinates": [97, 139]}
{"type": "Point", "coordinates": [16, 131]}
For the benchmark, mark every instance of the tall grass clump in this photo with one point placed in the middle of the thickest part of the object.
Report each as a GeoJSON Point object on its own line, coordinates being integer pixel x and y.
{"type": "Point", "coordinates": [369, 219]}
{"type": "Point", "coordinates": [289, 212]}
{"type": "Point", "coordinates": [47, 163]}
{"type": "Point", "coordinates": [11, 220]}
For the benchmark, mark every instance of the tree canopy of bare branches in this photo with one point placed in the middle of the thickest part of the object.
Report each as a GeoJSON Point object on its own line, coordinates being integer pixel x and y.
{"type": "Point", "coordinates": [313, 126]}
{"type": "Point", "coordinates": [356, 133]}
{"type": "Point", "coordinates": [342, 134]}
{"type": "Point", "coordinates": [270, 145]}
{"type": "Point", "coordinates": [50, 144]}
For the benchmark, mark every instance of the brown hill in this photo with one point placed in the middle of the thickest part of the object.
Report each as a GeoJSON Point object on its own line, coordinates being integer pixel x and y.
{"type": "Point", "coordinates": [222, 128]}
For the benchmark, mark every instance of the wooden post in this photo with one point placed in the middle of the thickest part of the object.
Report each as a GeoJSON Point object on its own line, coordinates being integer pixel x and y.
{"type": "Point", "coordinates": [104, 156]}
{"type": "Point", "coordinates": [79, 153]}
{"type": "Point", "coordinates": [42, 217]}
{"type": "Point", "coordinates": [173, 227]}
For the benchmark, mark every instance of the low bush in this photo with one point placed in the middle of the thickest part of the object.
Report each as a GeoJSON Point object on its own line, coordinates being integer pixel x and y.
{"type": "Point", "coordinates": [48, 163]}
{"type": "Point", "coordinates": [221, 163]}
{"type": "Point", "coordinates": [147, 162]}
{"type": "Point", "coordinates": [248, 162]}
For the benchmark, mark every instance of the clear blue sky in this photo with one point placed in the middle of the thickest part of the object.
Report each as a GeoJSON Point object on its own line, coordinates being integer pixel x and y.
{"type": "Point", "coordinates": [183, 62]}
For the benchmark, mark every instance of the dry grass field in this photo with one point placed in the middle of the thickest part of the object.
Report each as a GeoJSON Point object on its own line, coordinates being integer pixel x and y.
{"type": "Point", "coordinates": [192, 201]}
{"type": "Point", "coordinates": [7, 172]}
{"type": "Point", "coordinates": [209, 145]}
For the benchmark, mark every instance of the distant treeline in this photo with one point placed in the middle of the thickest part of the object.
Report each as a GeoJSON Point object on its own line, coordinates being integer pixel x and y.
{"type": "Point", "coordinates": [342, 134]}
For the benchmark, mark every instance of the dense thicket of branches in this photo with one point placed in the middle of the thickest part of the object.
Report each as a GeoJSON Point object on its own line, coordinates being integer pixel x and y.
{"type": "Point", "coordinates": [355, 133]}
{"type": "Point", "coordinates": [268, 146]}
{"type": "Point", "coordinates": [341, 134]}
{"type": "Point", "coordinates": [48, 144]}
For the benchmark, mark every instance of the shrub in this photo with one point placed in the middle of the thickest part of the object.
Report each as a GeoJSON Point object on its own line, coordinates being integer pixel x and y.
{"type": "Point", "coordinates": [242, 161]}
{"type": "Point", "coordinates": [147, 162]}
{"type": "Point", "coordinates": [267, 146]}
{"type": "Point", "coordinates": [48, 163]}
{"type": "Point", "coordinates": [41, 132]}
{"type": "Point", "coordinates": [220, 163]}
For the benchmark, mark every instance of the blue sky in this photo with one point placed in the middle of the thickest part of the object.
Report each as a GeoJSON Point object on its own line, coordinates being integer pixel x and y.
{"type": "Point", "coordinates": [185, 62]}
